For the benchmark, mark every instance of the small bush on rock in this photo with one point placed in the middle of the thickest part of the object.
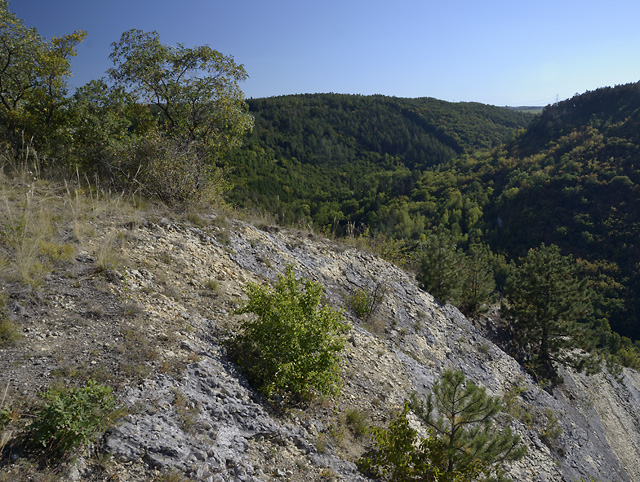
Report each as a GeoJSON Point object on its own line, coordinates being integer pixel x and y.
{"type": "Point", "coordinates": [71, 418]}
{"type": "Point", "coordinates": [365, 302]}
{"type": "Point", "coordinates": [290, 349]}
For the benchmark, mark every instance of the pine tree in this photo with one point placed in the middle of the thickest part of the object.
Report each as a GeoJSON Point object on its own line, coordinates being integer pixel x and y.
{"type": "Point", "coordinates": [441, 267]}
{"type": "Point", "coordinates": [462, 442]}
{"type": "Point", "coordinates": [479, 283]}
{"type": "Point", "coordinates": [546, 300]}
{"type": "Point", "coordinates": [461, 416]}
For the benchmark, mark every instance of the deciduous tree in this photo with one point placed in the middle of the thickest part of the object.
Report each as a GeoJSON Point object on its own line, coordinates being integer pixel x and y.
{"type": "Point", "coordinates": [290, 349]}
{"type": "Point", "coordinates": [33, 79]}
{"type": "Point", "coordinates": [195, 90]}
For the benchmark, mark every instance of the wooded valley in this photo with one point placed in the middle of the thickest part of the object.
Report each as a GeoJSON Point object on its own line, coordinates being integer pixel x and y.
{"type": "Point", "coordinates": [396, 171]}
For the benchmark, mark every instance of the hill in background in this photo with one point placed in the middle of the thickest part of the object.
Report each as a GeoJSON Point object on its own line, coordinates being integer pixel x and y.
{"type": "Point", "coordinates": [397, 168]}
{"type": "Point", "coordinates": [329, 159]}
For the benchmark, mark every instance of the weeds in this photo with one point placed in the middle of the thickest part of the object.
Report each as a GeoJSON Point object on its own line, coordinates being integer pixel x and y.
{"type": "Point", "coordinates": [7, 415]}
{"type": "Point", "coordinates": [172, 476]}
{"type": "Point", "coordinates": [357, 421]}
{"type": "Point", "coordinates": [137, 350]}
{"type": "Point", "coordinates": [9, 333]}
{"type": "Point", "coordinates": [322, 444]}
{"type": "Point", "coordinates": [71, 418]}
{"type": "Point", "coordinates": [186, 410]}
{"type": "Point", "coordinates": [107, 258]}
{"type": "Point", "coordinates": [23, 230]}
{"type": "Point", "coordinates": [365, 302]}
{"type": "Point", "coordinates": [552, 428]}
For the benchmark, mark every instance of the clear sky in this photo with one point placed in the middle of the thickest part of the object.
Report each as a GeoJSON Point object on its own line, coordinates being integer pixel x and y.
{"type": "Point", "coordinates": [501, 52]}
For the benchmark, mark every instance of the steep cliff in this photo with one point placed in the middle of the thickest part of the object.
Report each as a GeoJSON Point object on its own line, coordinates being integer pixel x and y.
{"type": "Point", "coordinates": [152, 324]}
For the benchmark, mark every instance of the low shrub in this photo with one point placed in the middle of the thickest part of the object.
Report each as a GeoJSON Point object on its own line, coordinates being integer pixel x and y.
{"type": "Point", "coordinates": [290, 349]}
{"type": "Point", "coordinates": [71, 418]}
{"type": "Point", "coordinates": [175, 172]}
{"type": "Point", "coordinates": [365, 302]}
{"type": "Point", "coordinates": [357, 421]}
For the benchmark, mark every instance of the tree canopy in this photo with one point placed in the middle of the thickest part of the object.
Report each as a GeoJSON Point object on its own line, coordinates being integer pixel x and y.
{"type": "Point", "coordinates": [547, 301]}
{"type": "Point", "coordinates": [195, 90]}
{"type": "Point", "coordinates": [33, 80]}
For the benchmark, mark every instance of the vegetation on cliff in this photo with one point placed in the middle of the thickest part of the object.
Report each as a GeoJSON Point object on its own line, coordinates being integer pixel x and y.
{"type": "Point", "coordinates": [481, 206]}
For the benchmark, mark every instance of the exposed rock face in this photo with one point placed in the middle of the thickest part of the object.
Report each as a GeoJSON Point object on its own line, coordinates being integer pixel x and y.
{"type": "Point", "coordinates": [198, 416]}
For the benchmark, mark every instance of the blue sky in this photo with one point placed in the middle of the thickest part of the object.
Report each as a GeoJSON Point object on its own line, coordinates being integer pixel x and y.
{"type": "Point", "coordinates": [493, 51]}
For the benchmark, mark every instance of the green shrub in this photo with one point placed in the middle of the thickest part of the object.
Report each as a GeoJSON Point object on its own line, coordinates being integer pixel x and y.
{"type": "Point", "coordinates": [400, 455]}
{"type": "Point", "coordinates": [629, 357]}
{"type": "Point", "coordinates": [173, 171]}
{"type": "Point", "coordinates": [357, 421]}
{"type": "Point", "coordinates": [291, 348]}
{"type": "Point", "coordinates": [70, 418]}
{"type": "Point", "coordinates": [365, 302]}
{"type": "Point", "coordinates": [359, 303]}
{"type": "Point", "coordinates": [552, 428]}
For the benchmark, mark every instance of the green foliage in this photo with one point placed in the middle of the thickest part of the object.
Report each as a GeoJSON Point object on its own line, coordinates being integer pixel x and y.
{"type": "Point", "coordinates": [194, 90]}
{"type": "Point", "coordinates": [168, 116]}
{"type": "Point", "coordinates": [33, 81]}
{"type": "Point", "coordinates": [453, 276]}
{"type": "Point", "coordinates": [479, 283]}
{"type": "Point", "coordinates": [71, 418]}
{"type": "Point", "coordinates": [546, 302]}
{"type": "Point", "coordinates": [552, 429]}
{"type": "Point", "coordinates": [462, 417]}
{"type": "Point", "coordinates": [365, 302]}
{"type": "Point", "coordinates": [357, 421]}
{"type": "Point", "coordinates": [165, 169]}
{"type": "Point", "coordinates": [168, 151]}
{"type": "Point", "coordinates": [103, 119]}
{"type": "Point", "coordinates": [291, 348]}
{"type": "Point", "coordinates": [462, 441]}
{"type": "Point", "coordinates": [629, 357]}
{"type": "Point", "coordinates": [348, 163]}
{"type": "Point", "coordinates": [441, 267]}
{"type": "Point", "coordinates": [400, 455]}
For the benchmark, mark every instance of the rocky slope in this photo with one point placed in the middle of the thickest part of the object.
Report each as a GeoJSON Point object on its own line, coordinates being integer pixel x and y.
{"type": "Point", "coordinates": [151, 323]}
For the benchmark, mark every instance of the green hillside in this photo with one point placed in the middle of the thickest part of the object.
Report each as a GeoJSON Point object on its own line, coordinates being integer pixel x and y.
{"type": "Point", "coordinates": [399, 168]}
{"type": "Point", "coordinates": [330, 159]}
{"type": "Point", "coordinates": [573, 179]}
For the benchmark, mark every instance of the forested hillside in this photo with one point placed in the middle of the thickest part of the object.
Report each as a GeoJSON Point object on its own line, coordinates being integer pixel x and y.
{"type": "Point", "coordinates": [572, 179]}
{"type": "Point", "coordinates": [331, 159]}
{"type": "Point", "coordinates": [399, 168]}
